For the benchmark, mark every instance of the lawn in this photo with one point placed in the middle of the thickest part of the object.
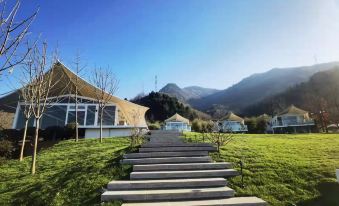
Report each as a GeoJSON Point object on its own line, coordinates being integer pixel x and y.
{"type": "Point", "coordinates": [281, 169]}
{"type": "Point", "coordinates": [69, 173]}
{"type": "Point", "coordinates": [285, 169]}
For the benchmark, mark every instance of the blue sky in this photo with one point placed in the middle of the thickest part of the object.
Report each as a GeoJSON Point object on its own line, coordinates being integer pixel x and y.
{"type": "Point", "coordinates": [209, 43]}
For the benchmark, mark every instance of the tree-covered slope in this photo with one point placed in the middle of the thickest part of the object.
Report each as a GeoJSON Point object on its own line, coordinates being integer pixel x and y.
{"type": "Point", "coordinates": [163, 106]}
{"type": "Point", "coordinates": [257, 87]}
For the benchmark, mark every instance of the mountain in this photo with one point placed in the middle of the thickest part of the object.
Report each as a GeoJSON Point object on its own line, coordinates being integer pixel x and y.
{"type": "Point", "coordinates": [319, 93]}
{"type": "Point", "coordinates": [256, 87]}
{"type": "Point", "coordinates": [174, 90]}
{"type": "Point", "coordinates": [196, 92]}
{"type": "Point", "coordinates": [186, 93]}
{"type": "Point", "coordinates": [163, 106]}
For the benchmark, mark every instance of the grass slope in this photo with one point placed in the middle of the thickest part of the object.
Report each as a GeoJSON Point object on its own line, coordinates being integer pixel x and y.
{"type": "Point", "coordinates": [285, 169]}
{"type": "Point", "coordinates": [69, 173]}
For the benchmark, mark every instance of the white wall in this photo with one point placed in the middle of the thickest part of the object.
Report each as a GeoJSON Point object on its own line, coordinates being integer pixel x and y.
{"type": "Point", "coordinates": [108, 132]}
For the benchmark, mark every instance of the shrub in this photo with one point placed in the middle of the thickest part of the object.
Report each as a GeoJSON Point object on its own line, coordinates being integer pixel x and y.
{"type": "Point", "coordinates": [6, 148]}
{"type": "Point", "coordinates": [202, 126]}
{"type": "Point", "coordinates": [154, 126]}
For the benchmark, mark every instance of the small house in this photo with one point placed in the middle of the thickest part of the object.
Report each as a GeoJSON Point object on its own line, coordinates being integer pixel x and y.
{"type": "Point", "coordinates": [292, 120]}
{"type": "Point", "coordinates": [177, 123]}
{"type": "Point", "coordinates": [233, 123]}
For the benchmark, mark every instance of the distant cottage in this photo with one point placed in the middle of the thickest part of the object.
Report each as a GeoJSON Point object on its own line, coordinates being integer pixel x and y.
{"type": "Point", "coordinates": [292, 120]}
{"type": "Point", "coordinates": [177, 123]}
{"type": "Point", "coordinates": [233, 123]}
{"type": "Point", "coordinates": [119, 117]}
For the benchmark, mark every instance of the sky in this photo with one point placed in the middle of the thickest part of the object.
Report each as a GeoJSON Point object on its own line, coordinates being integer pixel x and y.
{"type": "Point", "coordinates": [208, 43]}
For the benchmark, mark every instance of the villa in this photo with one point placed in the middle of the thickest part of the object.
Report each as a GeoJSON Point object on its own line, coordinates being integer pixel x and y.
{"type": "Point", "coordinates": [233, 123]}
{"type": "Point", "coordinates": [177, 123]}
{"type": "Point", "coordinates": [120, 117]}
{"type": "Point", "coordinates": [292, 120]}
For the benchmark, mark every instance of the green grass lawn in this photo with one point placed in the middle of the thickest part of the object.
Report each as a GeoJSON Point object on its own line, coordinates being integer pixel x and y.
{"type": "Point", "coordinates": [69, 173]}
{"type": "Point", "coordinates": [281, 169]}
{"type": "Point", "coordinates": [285, 169]}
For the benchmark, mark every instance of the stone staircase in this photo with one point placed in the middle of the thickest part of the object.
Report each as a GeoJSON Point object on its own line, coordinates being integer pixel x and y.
{"type": "Point", "coordinates": [167, 171]}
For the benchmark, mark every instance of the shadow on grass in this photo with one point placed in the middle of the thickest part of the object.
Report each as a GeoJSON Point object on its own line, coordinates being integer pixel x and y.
{"type": "Point", "coordinates": [329, 195]}
{"type": "Point", "coordinates": [79, 184]}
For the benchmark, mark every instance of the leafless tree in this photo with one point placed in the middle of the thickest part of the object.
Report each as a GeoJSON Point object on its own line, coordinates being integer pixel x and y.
{"type": "Point", "coordinates": [12, 34]}
{"type": "Point", "coordinates": [27, 107]}
{"type": "Point", "coordinates": [78, 69]}
{"type": "Point", "coordinates": [41, 84]}
{"type": "Point", "coordinates": [107, 84]}
{"type": "Point", "coordinates": [221, 135]}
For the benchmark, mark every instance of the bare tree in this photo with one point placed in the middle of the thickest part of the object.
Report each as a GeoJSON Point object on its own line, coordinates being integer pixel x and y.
{"type": "Point", "coordinates": [27, 109]}
{"type": "Point", "coordinates": [107, 84]}
{"type": "Point", "coordinates": [12, 34]}
{"type": "Point", "coordinates": [41, 84]}
{"type": "Point", "coordinates": [220, 136]}
{"type": "Point", "coordinates": [77, 85]}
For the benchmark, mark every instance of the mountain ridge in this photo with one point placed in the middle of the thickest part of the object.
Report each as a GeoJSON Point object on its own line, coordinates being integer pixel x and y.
{"type": "Point", "coordinates": [256, 87]}
{"type": "Point", "coordinates": [186, 93]}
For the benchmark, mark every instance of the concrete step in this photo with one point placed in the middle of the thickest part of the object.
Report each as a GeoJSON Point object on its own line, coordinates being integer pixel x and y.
{"type": "Point", "coordinates": [177, 145]}
{"type": "Point", "coordinates": [166, 154]}
{"type": "Point", "coordinates": [177, 149]}
{"type": "Point", "coordinates": [172, 194]}
{"type": "Point", "coordinates": [166, 184]}
{"type": "Point", "coordinates": [164, 160]}
{"type": "Point", "coordinates": [184, 166]}
{"type": "Point", "coordinates": [233, 201]}
{"type": "Point", "coordinates": [184, 174]}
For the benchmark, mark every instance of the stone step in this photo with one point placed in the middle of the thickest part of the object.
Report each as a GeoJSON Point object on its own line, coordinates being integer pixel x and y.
{"type": "Point", "coordinates": [184, 174]}
{"type": "Point", "coordinates": [177, 149]}
{"type": "Point", "coordinates": [166, 184]}
{"type": "Point", "coordinates": [169, 194]}
{"type": "Point", "coordinates": [177, 145]}
{"type": "Point", "coordinates": [184, 166]}
{"type": "Point", "coordinates": [164, 160]}
{"type": "Point", "coordinates": [233, 201]}
{"type": "Point", "coordinates": [166, 154]}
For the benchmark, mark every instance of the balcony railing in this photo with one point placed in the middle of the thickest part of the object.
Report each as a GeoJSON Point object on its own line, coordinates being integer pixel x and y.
{"type": "Point", "coordinates": [290, 123]}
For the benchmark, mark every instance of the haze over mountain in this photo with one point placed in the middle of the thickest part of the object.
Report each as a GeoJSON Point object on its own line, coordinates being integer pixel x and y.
{"type": "Point", "coordinates": [187, 93]}
{"type": "Point", "coordinates": [258, 86]}
{"type": "Point", "coordinates": [319, 93]}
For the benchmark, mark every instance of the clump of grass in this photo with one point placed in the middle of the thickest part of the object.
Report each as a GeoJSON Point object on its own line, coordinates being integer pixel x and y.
{"type": "Point", "coordinates": [69, 173]}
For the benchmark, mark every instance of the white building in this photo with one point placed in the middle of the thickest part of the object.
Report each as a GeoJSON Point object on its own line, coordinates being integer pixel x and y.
{"type": "Point", "coordinates": [233, 123]}
{"type": "Point", "coordinates": [177, 123]}
{"type": "Point", "coordinates": [292, 120]}
{"type": "Point", "coordinates": [119, 119]}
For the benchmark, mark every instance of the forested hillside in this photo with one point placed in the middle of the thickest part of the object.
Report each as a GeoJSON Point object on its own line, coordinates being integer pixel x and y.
{"type": "Point", "coordinates": [163, 106]}
{"type": "Point", "coordinates": [257, 87]}
{"type": "Point", "coordinates": [318, 95]}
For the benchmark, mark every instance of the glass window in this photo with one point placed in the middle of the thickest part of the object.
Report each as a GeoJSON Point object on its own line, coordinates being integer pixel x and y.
{"type": "Point", "coordinates": [71, 117]}
{"type": "Point", "coordinates": [90, 115]}
{"type": "Point", "coordinates": [20, 123]}
{"type": "Point", "coordinates": [108, 116]}
{"type": "Point", "coordinates": [53, 116]}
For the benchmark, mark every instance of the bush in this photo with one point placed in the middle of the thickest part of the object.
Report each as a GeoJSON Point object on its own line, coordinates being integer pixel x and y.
{"type": "Point", "coordinates": [202, 126]}
{"type": "Point", "coordinates": [154, 126]}
{"type": "Point", "coordinates": [6, 148]}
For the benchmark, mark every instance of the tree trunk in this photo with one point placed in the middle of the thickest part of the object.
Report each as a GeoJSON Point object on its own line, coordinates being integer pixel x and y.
{"type": "Point", "coordinates": [35, 146]}
{"type": "Point", "coordinates": [23, 142]}
{"type": "Point", "coordinates": [76, 118]}
{"type": "Point", "coordinates": [101, 114]}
